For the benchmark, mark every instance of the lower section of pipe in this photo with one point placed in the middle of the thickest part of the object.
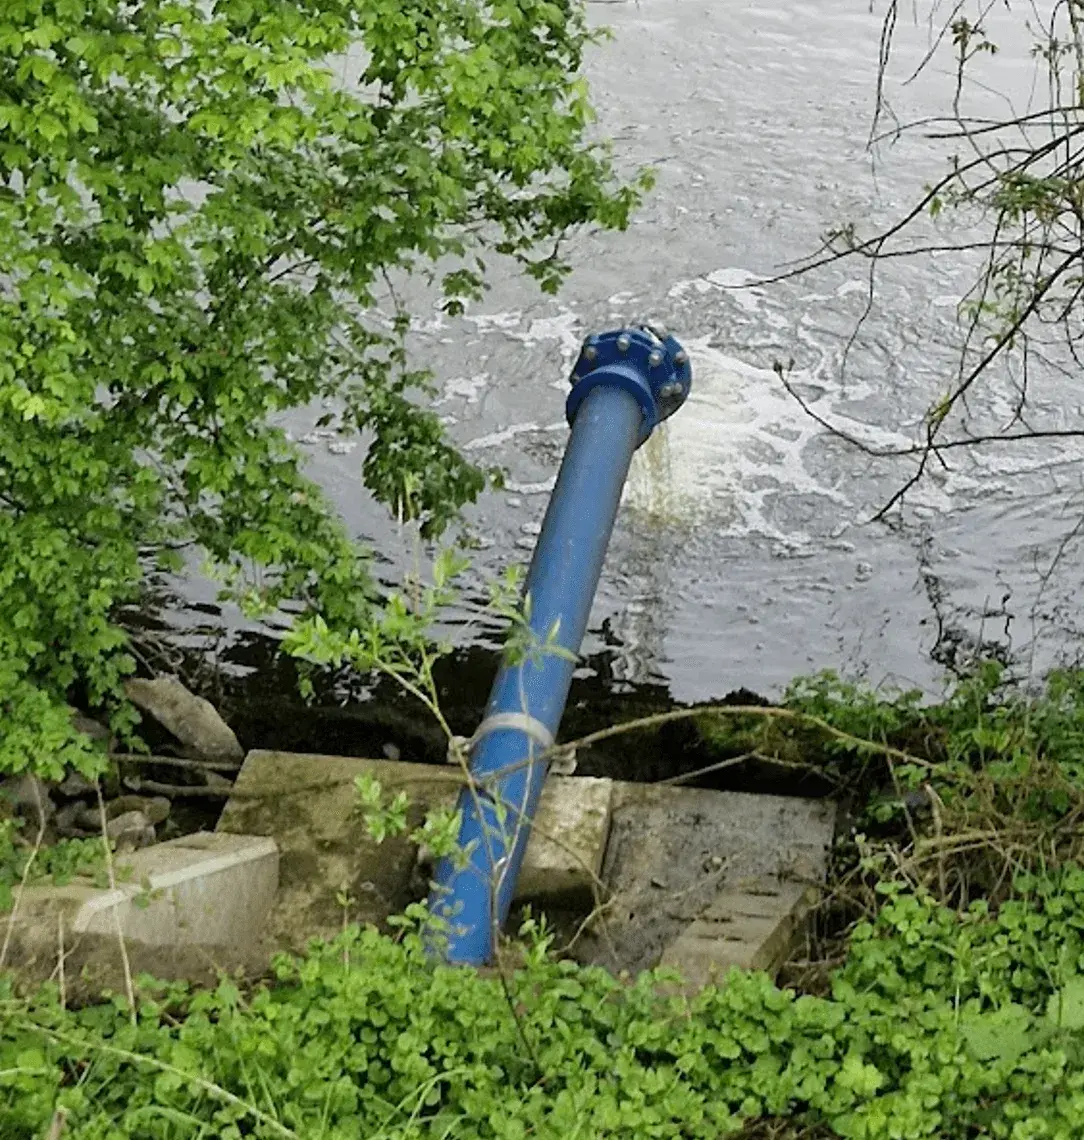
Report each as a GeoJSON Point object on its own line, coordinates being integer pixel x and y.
{"type": "Point", "coordinates": [529, 693]}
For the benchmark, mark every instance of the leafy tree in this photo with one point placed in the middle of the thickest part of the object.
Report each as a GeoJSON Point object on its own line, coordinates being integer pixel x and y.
{"type": "Point", "coordinates": [1018, 182]}
{"type": "Point", "coordinates": [198, 221]}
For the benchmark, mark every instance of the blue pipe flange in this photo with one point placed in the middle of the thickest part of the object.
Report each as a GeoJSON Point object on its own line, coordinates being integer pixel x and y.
{"type": "Point", "coordinates": [644, 360]}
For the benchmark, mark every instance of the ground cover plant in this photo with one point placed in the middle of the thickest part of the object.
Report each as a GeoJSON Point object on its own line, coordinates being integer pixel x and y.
{"type": "Point", "coordinates": [955, 1007]}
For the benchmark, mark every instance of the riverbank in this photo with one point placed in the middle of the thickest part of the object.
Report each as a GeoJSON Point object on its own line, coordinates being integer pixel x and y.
{"type": "Point", "coordinates": [940, 991]}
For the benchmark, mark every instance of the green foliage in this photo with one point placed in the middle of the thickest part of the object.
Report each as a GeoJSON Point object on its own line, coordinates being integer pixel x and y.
{"type": "Point", "coordinates": [398, 641]}
{"type": "Point", "coordinates": [196, 218]}
{"type": "Point", "coordinates": [59, 862]}
{"type": "Point", "coordinates": [938, 1024]}
{"type": "Point", "coordinates": [1024, 743]}
{"type": "Point", "coordinates": [438, 832]}
{"type": "Point", "coordinates": [941, 1021]}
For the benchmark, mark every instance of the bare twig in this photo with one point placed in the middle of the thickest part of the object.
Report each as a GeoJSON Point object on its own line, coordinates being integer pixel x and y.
{"type": "Point", "coordinates": [39, 839]}
{"type": "Point", "coordinates": [719, 766]}
{"type": "Point", "coordinates": [939, 831]}
{"type": "Point", "coordinates": [60, 963]}
{"type": "Point", "coordinates": [111, 872]}
{"type": "Point", "coordinates": [192, 791]}
{"type": "Point", "coordinates": [769, 712]}
{"type": "Point", "coordinates": [177, 762]}
{"type": "Point", "coordinates": [57, 1124]}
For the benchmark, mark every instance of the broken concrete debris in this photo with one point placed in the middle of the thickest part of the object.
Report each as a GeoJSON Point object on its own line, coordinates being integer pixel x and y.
{"type": "Point", "coordinates": [191, 719]}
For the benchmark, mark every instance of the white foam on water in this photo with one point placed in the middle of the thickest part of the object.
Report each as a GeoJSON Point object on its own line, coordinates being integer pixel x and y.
{"type": "Point", "coordinates": [542, 488]}
{"type": "Point", "coordinates": [498, 438]}
{"type": "Point", "coordinates": [737, 449]}
{"type": "Point", "coordinates": [566, 329]}
{"type": "Point", "coordinates": [739, 285]}
{"type": "Point", "coordinates": [738, 442]}
{"type": "Point", "coordinates": [491, 322]}
{"type": "Point", "coordinates": [682, 288]}
{"type": "Point", "coordinates": [849, 287]}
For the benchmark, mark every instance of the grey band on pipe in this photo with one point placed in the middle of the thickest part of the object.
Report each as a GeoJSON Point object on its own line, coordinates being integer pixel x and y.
{"type": "Point", "coordinates": [521, 722]}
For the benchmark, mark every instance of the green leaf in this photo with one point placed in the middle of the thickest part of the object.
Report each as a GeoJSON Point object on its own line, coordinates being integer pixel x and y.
{"type": "Point", "coordinates": [1065, 1009]}
{"type": "Point", "coordinates": [1002, 1034]}
{"type": "Point", "coordinates": [859, 1076]}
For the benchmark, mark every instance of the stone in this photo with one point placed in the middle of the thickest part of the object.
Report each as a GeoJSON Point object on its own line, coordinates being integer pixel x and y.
{"type": "Point", "coordinates": [155, 808]}
{"type": "Point", "coordinates": [750, 927]}
{"type": "Point", "coordinates": [568, 842]}
{"type": "Point", "coordinates": [29, 797]}
{"type": "Point", "coordinates": [89, 818]}
{"type": "Point", "coordinates": [186, 909]}
{"type": "Point", "coordinates": [308, 805]}
{"type": "Point", "coordinates": [68, 819]}
{"type": "Point", "coordinates": [130, 829]}
{"type": "Point", "coordinates": [89, 726]}
{"type": "Point", "coordinates": [191, 719]}
{"type": "Point", "coordinates": [74, 785]}
{"type": "Point", "coordinates": [216, 780]}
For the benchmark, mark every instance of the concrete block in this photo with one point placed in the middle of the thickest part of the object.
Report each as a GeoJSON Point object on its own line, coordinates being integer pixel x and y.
{"type": "Point", "coordinates": [185, 908]}
{"type": "Point", "coordinates": [307, 803]}
{"type": "Point", "coordinates": [563, 862]}
{"type": "Point", "coordinates": [205, 889]}
{"type": "Point", "coordinates": [703, 880]}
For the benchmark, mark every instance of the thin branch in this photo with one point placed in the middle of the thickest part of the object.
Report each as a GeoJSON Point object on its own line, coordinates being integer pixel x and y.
{"type": "Point", "coordinates": [181, 791]}
{"type": "Point", "coordinates": [177, 762]}
{"type": "Point", "coordinates": [24, 879]}
{"type": "Point", "coordinates": [111, 872]}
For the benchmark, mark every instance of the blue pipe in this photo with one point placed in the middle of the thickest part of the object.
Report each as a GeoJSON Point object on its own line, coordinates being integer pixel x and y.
{"type": "Point", "coordinates": [624, 384]}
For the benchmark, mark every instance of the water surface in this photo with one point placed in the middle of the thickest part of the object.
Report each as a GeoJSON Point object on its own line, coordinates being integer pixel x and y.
{"type": "Point", "coordinates": [743, 554]}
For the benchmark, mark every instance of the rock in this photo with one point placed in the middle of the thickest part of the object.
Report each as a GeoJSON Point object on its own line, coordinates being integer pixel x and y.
{"type": "Point", "coordinates": [563, 764]}
{"type": "Point", "coordinates": [89, 726]}
{"type": "Point", "coordinates": [191, 719]}
{"type": "Point", "coordinates": [214, 780]}
{"type": "Point", "coordinates": [127, 820]}
{"type": "Point", "coordinates": [68, 821]}
{"type": "Point", "coordinates": [28, 796]}
{"type": "Point", "coordinates": [74, 785]}
{"type": "Point", "coordinates": [131, 829]}
{"type": "Point", "coordinates": [67, 818]}
{"type": "Point", "coordinates": [155, 808]}
{"type": "Point", "coordinates": [87, 818]}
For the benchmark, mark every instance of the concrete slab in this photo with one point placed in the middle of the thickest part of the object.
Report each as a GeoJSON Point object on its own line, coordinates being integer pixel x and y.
{"type": "Point", "coordinates": [698, 880]}
{"type": "Point", "coordinates": [751, 929]}
{"type": "Point", "coordinates": [705, 880]}
{"type": "Point", "coordinates": [331, 871]}
{"type": "Point", "coordinates": [185, 908]}
{"type": "Point", "coordinates": [205, 889]}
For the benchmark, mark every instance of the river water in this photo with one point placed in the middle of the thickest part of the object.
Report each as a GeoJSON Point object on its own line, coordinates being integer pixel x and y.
{"type": "Point", "coordinates": [744, 554]}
